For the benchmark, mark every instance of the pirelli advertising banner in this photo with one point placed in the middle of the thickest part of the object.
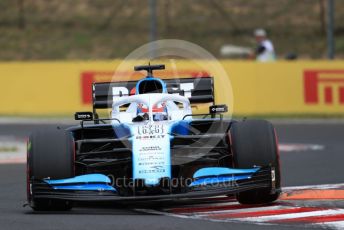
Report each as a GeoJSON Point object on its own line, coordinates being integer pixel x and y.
{"type": "Point", "coordinates": [249, 88]}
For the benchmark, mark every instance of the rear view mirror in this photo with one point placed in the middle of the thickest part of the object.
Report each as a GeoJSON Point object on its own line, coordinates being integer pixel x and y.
{"type": "Point", "coordinates": [218, 109]}
{"type": "Point", "coordinates": [83, 116]}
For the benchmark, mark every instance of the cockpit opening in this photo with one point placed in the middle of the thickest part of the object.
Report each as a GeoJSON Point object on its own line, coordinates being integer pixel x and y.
{"type": "Point", "coordinates": [150, 86]}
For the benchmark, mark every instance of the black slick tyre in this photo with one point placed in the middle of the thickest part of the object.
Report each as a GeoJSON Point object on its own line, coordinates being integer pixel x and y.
{"type": "Point", "coordinates": [254, 143]}
{"type": "Point", "coordinates": [50, 154]}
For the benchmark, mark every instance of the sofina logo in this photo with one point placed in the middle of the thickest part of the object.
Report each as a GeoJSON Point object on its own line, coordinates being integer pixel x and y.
{"type": "Point", "coordinates": [324, 87]}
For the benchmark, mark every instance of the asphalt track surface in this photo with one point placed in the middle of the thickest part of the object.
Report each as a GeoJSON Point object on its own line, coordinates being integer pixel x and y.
{"type": "Point", "coordinates": [306, 167]}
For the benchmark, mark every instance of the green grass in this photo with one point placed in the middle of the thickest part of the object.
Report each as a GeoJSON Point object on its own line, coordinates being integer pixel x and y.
{"type": "Point", "coordinates": [8, 149]}
{"type": "Point", "coordinates": [106, 29]}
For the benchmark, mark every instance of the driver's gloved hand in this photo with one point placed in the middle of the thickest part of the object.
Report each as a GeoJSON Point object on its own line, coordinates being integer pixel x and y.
{"type": "Point", "coordinates": [139, 118]}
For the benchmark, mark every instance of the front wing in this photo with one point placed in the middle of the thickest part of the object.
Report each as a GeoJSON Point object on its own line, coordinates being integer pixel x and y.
{"type": "Point", "coordinates": [93, 190]}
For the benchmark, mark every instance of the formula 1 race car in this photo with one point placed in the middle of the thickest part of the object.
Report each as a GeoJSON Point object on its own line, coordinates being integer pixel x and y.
{"type": "Point", "coordinates": [153, 148]}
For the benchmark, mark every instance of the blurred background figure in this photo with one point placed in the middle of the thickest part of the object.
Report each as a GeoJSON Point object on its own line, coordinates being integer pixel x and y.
{"type": "Point", "coordinates": [265, 49]}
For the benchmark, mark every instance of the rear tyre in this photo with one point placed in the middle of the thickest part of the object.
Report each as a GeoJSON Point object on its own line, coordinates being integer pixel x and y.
{"type": "Point", "coordinates": [50, 154]}
{"type": "Point", "coordinates": [254, 143]}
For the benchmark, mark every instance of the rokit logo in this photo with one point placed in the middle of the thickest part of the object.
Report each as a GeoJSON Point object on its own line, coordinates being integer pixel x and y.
{"type": "Point", "coordinates": [148, 137]}
{"type": "Point", "coordinates": [324, 86]}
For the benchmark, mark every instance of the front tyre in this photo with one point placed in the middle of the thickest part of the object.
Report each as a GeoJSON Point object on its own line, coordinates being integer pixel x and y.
{"type": "Point", "coordinates": [50, 154]}
{"type": "Point", "coordinates": [254, 143]}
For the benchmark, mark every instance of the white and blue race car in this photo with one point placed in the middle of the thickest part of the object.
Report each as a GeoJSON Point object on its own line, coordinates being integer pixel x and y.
{"type": "Point", "coordinates": [153, 148]}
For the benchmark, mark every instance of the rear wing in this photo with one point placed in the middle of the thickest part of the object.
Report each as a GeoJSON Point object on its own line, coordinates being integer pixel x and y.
{"type": "Point", "coordinates": [198, 90]}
